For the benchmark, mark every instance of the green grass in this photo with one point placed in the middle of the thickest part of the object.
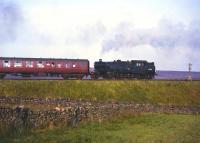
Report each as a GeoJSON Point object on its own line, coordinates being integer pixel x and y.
{"type": "Point", "coordinates": [145, 128]}
{"type": "Point", "coordinates": [155, 92]}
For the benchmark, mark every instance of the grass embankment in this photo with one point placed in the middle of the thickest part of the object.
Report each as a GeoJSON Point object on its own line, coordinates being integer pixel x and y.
{"type": "Point", "coordinates": [154, 92]}
{"type": "Point", "coordinates": [146, 128]}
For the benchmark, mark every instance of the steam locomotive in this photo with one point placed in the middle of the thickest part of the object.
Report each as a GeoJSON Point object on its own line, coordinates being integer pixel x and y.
{"type": "Point", "coordinates": [138, 69]}
{"type": "Point", "coordinates": [76, 68]}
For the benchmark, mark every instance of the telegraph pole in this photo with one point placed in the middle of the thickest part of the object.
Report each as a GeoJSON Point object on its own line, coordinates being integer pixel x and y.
{"type": "Point", "coordinates": [190, 69]}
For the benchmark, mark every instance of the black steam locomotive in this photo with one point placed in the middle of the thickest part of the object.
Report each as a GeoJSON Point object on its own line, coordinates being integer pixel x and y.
{"type": "Point", "coordinates": [135, 69]}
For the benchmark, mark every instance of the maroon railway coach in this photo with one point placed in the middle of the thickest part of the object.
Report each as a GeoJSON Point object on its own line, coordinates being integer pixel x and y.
{"type": "Point", "coordinates": [67, 68]}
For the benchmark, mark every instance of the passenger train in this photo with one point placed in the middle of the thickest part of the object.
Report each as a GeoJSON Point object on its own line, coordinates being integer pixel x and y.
{"type": "Point", "coordinates": [76, 68]}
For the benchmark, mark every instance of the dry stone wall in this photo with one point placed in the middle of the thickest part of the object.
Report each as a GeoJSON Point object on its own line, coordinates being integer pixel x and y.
{"type": "Point", "coordinates": [39, 113]}
{"type": "Point", "coordinates": [25, 117]}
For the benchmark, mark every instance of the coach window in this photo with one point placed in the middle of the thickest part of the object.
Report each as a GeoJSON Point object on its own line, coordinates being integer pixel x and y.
{"type": "Point", "coordinates": [29, 64]}
{"type": "Point", "coordinates": [66, 65]}
{"type": "Point", "coordinates": [59, 65]}
{"type": "Point", "coordinates": [18, 64]}
{"type": "Point", "coordinates": [52, 64]}
{"type": "Point", "coordinates": [6, 64]}
{"type": "Point", "coordinates": [40, 64]}
{"type": "Point", "coordinates": [48, 64]}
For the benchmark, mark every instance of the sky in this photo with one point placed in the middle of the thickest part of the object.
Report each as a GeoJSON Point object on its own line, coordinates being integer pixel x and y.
{"type": "Point", "coordinates": [166, 32]}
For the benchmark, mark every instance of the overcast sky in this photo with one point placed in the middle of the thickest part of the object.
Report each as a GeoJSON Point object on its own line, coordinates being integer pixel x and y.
{"type": "Point", "coordinates": [166, 32]}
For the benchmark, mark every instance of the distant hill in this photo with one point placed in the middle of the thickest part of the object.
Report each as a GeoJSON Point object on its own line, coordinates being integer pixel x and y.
{"type": "Point", "coordinates": [176, 75]}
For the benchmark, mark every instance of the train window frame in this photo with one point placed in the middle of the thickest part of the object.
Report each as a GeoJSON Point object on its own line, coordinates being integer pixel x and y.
{"type": "Point", "coordinates": [17, 63]}
{"type": "Point", "coordinates": [48, 64]}
{"type": "Point", "coordinates": [52, 64]}
{"type": "Point", "coordinates": [40, 64]}
{"type": "Point", "coordinates": [69, 65]}
{"type": "Point", "coordinates": [29, 64]}
{"type": "Point", "coordinates": [59, 65]}
{"type": "Point", "coordinates": [6, 64]}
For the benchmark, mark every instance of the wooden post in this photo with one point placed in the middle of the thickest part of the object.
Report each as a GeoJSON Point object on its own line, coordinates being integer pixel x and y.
{"type": "Point", "coordinates": [190, 69]}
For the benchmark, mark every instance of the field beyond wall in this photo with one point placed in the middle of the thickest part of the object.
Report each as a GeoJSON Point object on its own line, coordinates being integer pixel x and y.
{"type": "Point", "coordinates": [104, 111]}
{"type": "Point", "coordinates": [153, 92]}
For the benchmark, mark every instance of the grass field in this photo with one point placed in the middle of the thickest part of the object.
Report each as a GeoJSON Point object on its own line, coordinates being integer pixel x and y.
{"type": "Point", "coordinates": [154, 92]}
{"type": "Point", "coordinates": [144, 128]}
